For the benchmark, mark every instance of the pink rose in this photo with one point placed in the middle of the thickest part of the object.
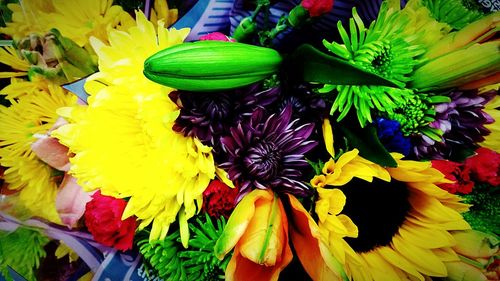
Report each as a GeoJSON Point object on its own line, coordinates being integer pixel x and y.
{"type": "Point", "coordinates": [71, 201]}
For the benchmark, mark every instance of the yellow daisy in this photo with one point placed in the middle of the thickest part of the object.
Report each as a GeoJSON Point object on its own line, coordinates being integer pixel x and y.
{"type": "Point", "coordinates": [123, 141]}
{"type": "Point", "coordinates": [29, 115]}
{"type": "Point", "coordinates": [77, 20]}
{"type": "Point", "coordinates": [390, 223]}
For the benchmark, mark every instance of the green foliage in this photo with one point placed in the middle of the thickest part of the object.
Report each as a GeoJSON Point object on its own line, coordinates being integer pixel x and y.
{"type": "Point", "coordinates": [6, 13]}
{"type": "Point", "coordinates": [485, 210]}
{"type": "Point", "coordinates": [22, 250]}
{"type": "Point", "coordinates": [200, 261]}
{"type": "Point", "coordinates": [162, 256]}
{"type": "Point", "coordinates": [366, 140]}
{"type": "Point", "coordinates": [197, 263]}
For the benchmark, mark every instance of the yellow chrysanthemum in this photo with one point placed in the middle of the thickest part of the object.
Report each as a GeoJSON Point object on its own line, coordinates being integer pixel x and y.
{"type": "Point", "coordinates": [161, 12]}
{"type": "Point", "coordinates": [391, 223]}
{"type": "Point", "coordinates": [31, 114]}
{"type": "Point", "coordinates": [122, 61]}
{"type": "Point", "coordinates": [8, 56]}
{"type": "Point", "coordinates": [20, 87]}
{"type": "Point", "coordinates": [77, 20]}
{"type": "Point", "coordinates": [123, 141]}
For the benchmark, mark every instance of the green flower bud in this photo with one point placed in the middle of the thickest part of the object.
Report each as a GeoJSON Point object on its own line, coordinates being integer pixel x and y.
{"type": "Point", "coordinates": [211, 65]}
{"type": "Point", "coordinates": [245, 30]}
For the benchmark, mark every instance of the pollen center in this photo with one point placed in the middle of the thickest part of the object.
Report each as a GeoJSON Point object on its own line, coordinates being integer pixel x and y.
{"type": "Point", "coordinates": [378, 209]}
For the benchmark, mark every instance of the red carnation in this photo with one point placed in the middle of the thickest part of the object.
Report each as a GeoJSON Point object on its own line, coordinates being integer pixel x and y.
{"type": "Point", "coordinates": [485, 166]}
{"type": "Point", "coordinates": [317, 7]}
{"type": "Point", "coordinates": [103, 219]}
{"type": "Point", "coordinates": [219, 199]}
{"type": "Point", "coordinates": [456, 172]}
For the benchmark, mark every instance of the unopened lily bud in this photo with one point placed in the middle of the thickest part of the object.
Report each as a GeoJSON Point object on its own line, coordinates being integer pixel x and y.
{"type": "Point", "coordinates": [211, 65]}
{"type": "Point", "coordinates": [245, 30]}
{"type": "Point", "coordinates": [461, 271]}
{"type": "Point", "coordinates": [475, 244]}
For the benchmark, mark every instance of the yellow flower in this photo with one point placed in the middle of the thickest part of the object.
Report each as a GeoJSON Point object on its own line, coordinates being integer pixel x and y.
{"type": "Point", "coordinates": [8, 56]}
{"type": "Point", "coordinates": [123, 141]}
{"type": "Point", "coordinates": [77, 20]}
{"type": "Point", "coordinates": [161, 12]}
{"type": "Point", "coordinates": [348, 166]}
{"type": "Point", "coordinates": [31, 114]}
{"type": "Point", "coordinates": [122, 61]}
{"type": "Point", "coordinates": [391, 229]}
{"type": "Point", "coordinates": [492, 141]}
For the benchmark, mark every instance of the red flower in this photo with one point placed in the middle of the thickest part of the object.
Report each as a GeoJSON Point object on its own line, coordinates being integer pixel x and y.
{"type": "Point", "coordinates": [456, 172]}
{"type": "Point", "coordinates": [485, 166]}
{"type": "Point", "coordinates": [219, 199]}
{"type": "Point", "coordinates": [216, 36]}
{"type": "Point", "coordinates": [317, 7]}
{"type": "Point", "coordinates": [103, 219]}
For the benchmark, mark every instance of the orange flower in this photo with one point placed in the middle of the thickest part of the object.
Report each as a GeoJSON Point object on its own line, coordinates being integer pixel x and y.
{"type": "Point", "coordinates": [258, 230]}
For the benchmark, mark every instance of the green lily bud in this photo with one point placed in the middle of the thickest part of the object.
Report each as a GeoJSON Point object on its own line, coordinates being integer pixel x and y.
{"type": "Point", "coordinates": [245, 30]}
{"type": "Point", "coordinates": [211, 65]}
{"type": "Point", "coordinates": [459, 67]}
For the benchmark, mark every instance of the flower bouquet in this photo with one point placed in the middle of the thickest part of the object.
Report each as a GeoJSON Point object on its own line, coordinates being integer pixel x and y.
{"type": "Point", "coordinates": [249, 140]}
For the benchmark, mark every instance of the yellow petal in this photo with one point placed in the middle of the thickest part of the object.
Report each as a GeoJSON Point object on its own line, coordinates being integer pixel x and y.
{"type": "Point", "coordinates": [328, 136]}
{"type": "Point", "coordinates": [423, 260]}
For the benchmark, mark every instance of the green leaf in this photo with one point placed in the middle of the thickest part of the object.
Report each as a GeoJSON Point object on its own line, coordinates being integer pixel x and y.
{"type": "Point", "coordinates": [460, 153]}
{"type": "Point", "coordinates": [366, 140]}
{"type": "Point", "coordinates": [312, 65]}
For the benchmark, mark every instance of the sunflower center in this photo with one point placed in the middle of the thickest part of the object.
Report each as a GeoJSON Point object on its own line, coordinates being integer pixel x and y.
{"type": "Point", "coordinates": [378, 209]}
{"type": "Point", "coordinates": [263, 161]}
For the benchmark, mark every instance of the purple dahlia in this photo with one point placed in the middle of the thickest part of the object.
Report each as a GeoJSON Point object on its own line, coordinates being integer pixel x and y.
{"type": "Point", "coordinates": [462, 121]}
{"type": "Point", "coordinates": [208, 116]}
{"type": "Point", "coordinates": [268, 152]}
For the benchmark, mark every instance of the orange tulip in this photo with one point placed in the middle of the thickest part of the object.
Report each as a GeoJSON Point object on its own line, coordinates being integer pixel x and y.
{"type": "Point", "coordinates": [258, 232]}
{"type": "Point", "coordinates": [311, 250]}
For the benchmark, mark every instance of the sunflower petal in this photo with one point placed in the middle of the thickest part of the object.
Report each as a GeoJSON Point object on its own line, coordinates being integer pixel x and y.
{"type": "Point", "coordinates": [424, 260]}
{"type": "Point", "coordinates": [399, 261]}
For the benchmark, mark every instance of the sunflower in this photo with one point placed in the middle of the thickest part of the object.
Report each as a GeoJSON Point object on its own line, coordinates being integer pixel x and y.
{"type": "Point", "coordinates": [31, 114]}
{"type": "Point", "coordinates": [492, 108]}
{"type": "Point", "coordinates": [387, 223]}
{"type": "Point", "coordinates": [77, 20]}
{"type": "Point", "coordinates": [123, 141]}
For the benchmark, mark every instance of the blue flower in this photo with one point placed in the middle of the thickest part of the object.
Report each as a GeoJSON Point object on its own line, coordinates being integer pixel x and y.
{"type": "Point", "coordinates": [389, 133]}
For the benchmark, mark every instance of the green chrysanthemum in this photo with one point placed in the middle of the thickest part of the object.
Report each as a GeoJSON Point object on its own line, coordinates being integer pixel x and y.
{"type": "Point", "coordinates": [415, 114]}
{"type": "Point", "coordinates": [171, 261]}
{"type": "Point", "coordinates": [385, 49]}
{"type": "Point", "coordinates": [22, 250]}
{"type": "Point", "coordinates": [455, 13]}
